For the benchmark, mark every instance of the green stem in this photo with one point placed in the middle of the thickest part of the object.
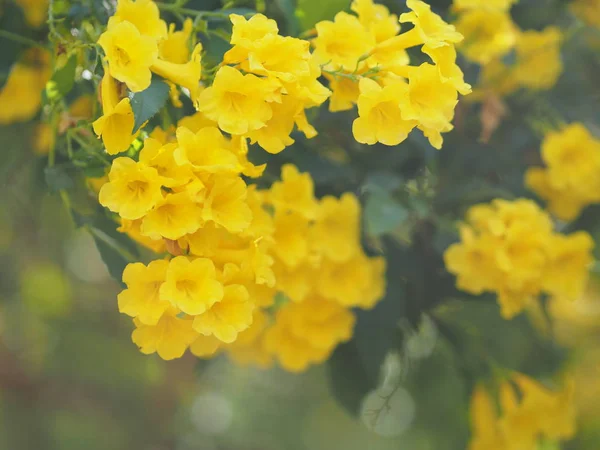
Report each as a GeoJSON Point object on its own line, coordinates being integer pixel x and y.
{"type": "Point", "coordinates": [20, 39]}
{"type": "Point", "coordinates": [176, 8]}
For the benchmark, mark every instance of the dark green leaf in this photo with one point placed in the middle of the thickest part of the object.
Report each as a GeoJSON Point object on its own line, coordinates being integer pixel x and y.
{"type": "Point", "coordinates": [288, 11]}
{"type": "Point", "coordinates": [59, 177]}
{"type": "Point", "coordinates": [11, 20]}
{"type": "Point", "coordinates": [147, 103]}
{"type": "Point", "coordinates": [348, 379]}
{"type": "Point", "coordinates": [310, 12]}
{"type": "Point", "coordinates": [383, 213]}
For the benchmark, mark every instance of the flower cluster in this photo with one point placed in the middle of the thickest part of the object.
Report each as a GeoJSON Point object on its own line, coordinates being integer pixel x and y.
{"type": "Point", "coordinates": [530, 413]}
{"type": "Point", "coordinates": [366, 62]}
{"type": "Point", "coordinates": [510, 248]}
{"type": "Point", "coordinates": [569, 182]}
{"type": "Point", "coordinates": [136, 44]}
{"type": "Point", "coordinates": [264, 86]}
{"type": "Point", "coordinates": [490, 35]}
{"type": "Point", "coordinates": [236, 247]}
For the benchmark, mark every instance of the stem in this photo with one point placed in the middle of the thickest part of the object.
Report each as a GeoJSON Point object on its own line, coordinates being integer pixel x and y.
{"type": "Point", "coordinates": [99, 234]}
{"type": "Point", "coordinates": [20, 39]}
{"type": "Point", "coordinates": [176, 8]}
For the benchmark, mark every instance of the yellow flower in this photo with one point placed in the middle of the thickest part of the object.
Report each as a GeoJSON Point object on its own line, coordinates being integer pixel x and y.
{"type": "Point", "coordinates": [488, 34]}
{"type": "Point", "coordinates": [275, 135]}
{"type": "Point", "coordinates": [341, 43]}
{"type": "Point", "coordinates": [143, 14]}
{"type": "Point", "coordinates": [175, 48]}
{"type": "Point", "coordinates": [376, 18]}
{"type": "Point", "coordinates": [226, 205]}
{"type": "Point", "coordinates": [191, 285]}
{"type": "Point", "coordinates": [36, 11]}
{"type": "Point", "coordinates": [306, 333]}
{"type": "Point", "coordinates": [246, 32]}
{"type": "Point", "coordinates": [281, 57]}
{"type": "Point", "coordinates": [486, 434]}
{"type": "Point", "coordinates": [430, 100]}
{"type": "Point", "coordinates": [345, 92]}
{"type": "Point", "coordinates": [563, 203]}
{"type": "Point", "coordinates": [445, 60]}
{"type": "Point", "coordinates": [291, 240]}
{"type": "Point", "coordinates": [161, 157]}
{"type": "Point", "coordinates": [173, 217]}
{"type": "Point", "coordinates": [336, 231]}
{"type": "Point", "coordinates": [170, 337]}
{"type": "Point", "coordinates": [205, 346]}
{"type": "Point", "coordinates": [130, 55]}
{"type": "Point", "coordinates": [380, 118]}
{"type": "Point", "coordinates": [538, 58]}
{"type": "Point", "coordinates": [133, 189]}
{"type": "Point", "coordinates": [141, 299]}
{"type": "Point", "coordinates": [249, 347]}
{"type": "Point", "coordinates": [346, 282]}
{"type": "Point", "coordinates": [206, 151]}
{"type": "Point", "coordinates": [236, 101]}
{"type": "Point", "coordinates": [295, 192]}
{"type": "Point", "coordinates": [570, 259]}
{"type": "Point", "coordinates": [186, 74]}
{"type": "Point", "coordinates": [115, 126]}
{"type": "Point", "coordinates": [509, 248]}
{"type": "Point", "coordinates": [21, 95]}
{"type": "Point", "coordinates": [294, 353]}
{"type": "Point", "coordinates": [569, 182]}
{"type": "Point", "coordinates": [429, 29]}
{"type": "Point", "coordinates": [572, 156]}
{"type": "Point", "coordinates": [196, 122]}
{"type": "Point", "coordinates": [227, 318]}
{"type": "Point", "coordinates": [132, 228]}
{"type": "Point", "coordinates": [321, 322]}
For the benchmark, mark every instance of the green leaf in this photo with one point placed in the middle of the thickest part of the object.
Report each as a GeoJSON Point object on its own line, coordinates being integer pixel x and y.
{"type": "Point", "coordinates": [147, 103]}
{"type": "Point", "coordinates": [59, 177]}
{"type": "Point", "coordinates": [349, 382]}
{"type": "Point", "coordinates": [287, 8]}
{"type": "Point", "coordinates": [383, 213]}
{"type": "Point", "coordinates": [13, 21]}
{"type": "Point", "coordinates": [115, 262]}
{"type": "Point", "coordinates": [309, 12]}
{"type": "Point", "coordinates": [63, 79]}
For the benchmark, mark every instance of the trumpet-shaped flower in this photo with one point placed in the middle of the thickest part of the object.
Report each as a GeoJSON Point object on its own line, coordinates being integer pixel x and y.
{"type": "Point", "coordinates": [115, 126]}
{"type": "Point", "coordinates": [226, 205]}
{"type": "Point", "coordinates": [133, 189]}
{"type": "Point", "coordinates": [143, 14]}
{"type": "Point", "coordinates": [380, 118]}
{"type": "Point", "coordinates": [191, 285]}
{"type": "Point", "coordinates": [141, 299]}
{"type": "Point", "coordinates": [129, 54]}
{"type": "Point", "coordinates": [173, 217]}
{"type": "Point", "coordinates": [341, 43]}
{"type": "Point", "coordinates": [206, 151]}
{"type": "Point", "coordinates": [236, 102]}
{"type": "Point", "coordinates": [170, 337]}
{"type": "Point", "coordinates": [227, 318]}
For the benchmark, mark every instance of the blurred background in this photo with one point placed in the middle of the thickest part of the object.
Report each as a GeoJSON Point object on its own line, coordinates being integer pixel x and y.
{"type": "Point", "coordinates": [70, 378]}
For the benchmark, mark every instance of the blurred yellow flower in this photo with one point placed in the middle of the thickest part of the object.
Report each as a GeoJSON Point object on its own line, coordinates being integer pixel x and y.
{"type": "Point", "coordinates": [539, 63]}
{"type": "Point", "coordinates": [228, 317]}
